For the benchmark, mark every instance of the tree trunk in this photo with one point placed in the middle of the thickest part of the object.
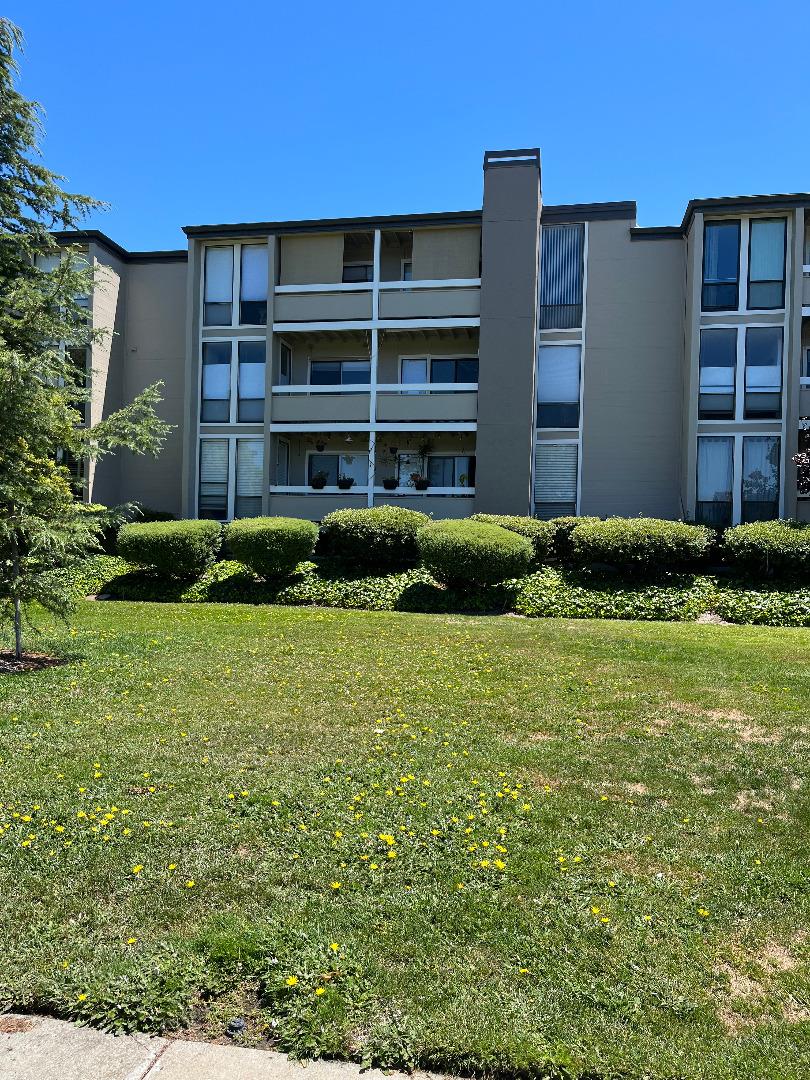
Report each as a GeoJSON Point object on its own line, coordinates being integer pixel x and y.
{"type": "Point", "coordinates": [17, 629]}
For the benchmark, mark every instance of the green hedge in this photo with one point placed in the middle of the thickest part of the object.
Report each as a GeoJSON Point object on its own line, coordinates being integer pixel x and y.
{"type": "Point", "coordinates": [641, 545]}
{"type": "Point", "coordinates": [540, 533]}
{"type": "Point", "coordinates": [271, 546]}
{"type": "Point", "coordinates": [461, 552]}
{"type": "Point", "coordinates": [383, 537]}
{"type": "Point", "coordinates": [562, 530]}
{"type": "Point", "coordinates": [179, 549]}
{"type": "Point", "coordinates": [769, 547]}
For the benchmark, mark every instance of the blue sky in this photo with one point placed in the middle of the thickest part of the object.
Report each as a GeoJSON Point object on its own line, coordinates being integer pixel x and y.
{"type": "Point", "coordinates": [183, 113]}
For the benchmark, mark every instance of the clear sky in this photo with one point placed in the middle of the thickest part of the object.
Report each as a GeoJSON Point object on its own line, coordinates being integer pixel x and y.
{"type": "Point", "coordinates": [184, 112]}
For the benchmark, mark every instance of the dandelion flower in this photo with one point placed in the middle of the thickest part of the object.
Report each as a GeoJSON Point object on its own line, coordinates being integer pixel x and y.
{"type": "Point", "coordinates": [292, 980]}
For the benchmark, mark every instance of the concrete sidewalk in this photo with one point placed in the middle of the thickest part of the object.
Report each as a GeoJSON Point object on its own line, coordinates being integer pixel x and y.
{"type": "Point", "coordinates": [39, 1048]}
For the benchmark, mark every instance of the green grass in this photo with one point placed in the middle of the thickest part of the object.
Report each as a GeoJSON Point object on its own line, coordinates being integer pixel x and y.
{"type": "Point", "coordinates": [600, 833]}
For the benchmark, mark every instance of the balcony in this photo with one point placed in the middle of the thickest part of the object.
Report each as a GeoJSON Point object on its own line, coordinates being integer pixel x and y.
{"type": "Point", "coordinates": [397, 404]}
{"type": "Point", "coordinates": [438, 299]}
{"type": "Point", "coordinates": [328, 303]}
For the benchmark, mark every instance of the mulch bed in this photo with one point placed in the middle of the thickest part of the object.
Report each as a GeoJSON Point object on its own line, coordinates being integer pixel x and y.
{"type": "Point", "coordinates": [31, 661]}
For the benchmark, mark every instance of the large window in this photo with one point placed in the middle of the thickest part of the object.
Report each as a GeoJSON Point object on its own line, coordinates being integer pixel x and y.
{"type": "Point", "coordinates": [558, 386]}
{"type": "Point", "coordinates": [215, 407]}
{"type": "Point", "coordinates": [721, 266]}
{"type": "Point", "coordinates": [284, 364]}
{"type": "Point", "coordinates": [763, 372]}
{"type": "Point", "coordinates": [715, 481]}
{"type": "Point", "coordinates": [766, 263]}
{"type": "Point", "coordinates": [332, 466]}
{"type": "Point", "coordinates": [760, 478]}
{"type": "Point", "coordinates": [555, 479]}
{"type": "Point", "coordinates": [718, 370]}
{"type": "Point", "coordinates": [218, 290]}
{"type": "Point", "coordinates": [358, 272]}
{"type": "Point", "coordinates": [249, 472]}
{"type": "Point", "coordinates": [438, 369]}
{"type": "Point", "coordinates": [253, 285]}
{"type": "Point", "coordinates": [448, 470]}
{"type": "Point", "coordinates": [213, 495]}
{"type": "Point", "coordinates": [251, 382]}
{"type": "Point", "coordinates": [561, 273]}
{"type": "Point", "coordinates": [339, 372]}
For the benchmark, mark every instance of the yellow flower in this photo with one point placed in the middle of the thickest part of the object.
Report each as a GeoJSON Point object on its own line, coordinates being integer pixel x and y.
{"type": "Point", "coordinates": [82, 997]}
{"type": "Point", "coordinates": [391, 854]}
{"type": "Point", "coordinates": [190, 883]}
{"type": "Point", "coordinates": [319, 990]}
{"type": "Point", "coordinates": [172, 866]}
{"type": "Point", "coordinates": [131, 941]}
{"type": "Point", "coordinates": [595, 910]}
{"type": "Point", "coordinates": [137, 869]}
{"type": "Point", "coordinates": [703, 912]}
{"type": "Point", "coordinates": [334, 946]}
{"type": "Point", "coordinates": [292, 980]}
{"type": "Point", "coordinates": [336, 884]}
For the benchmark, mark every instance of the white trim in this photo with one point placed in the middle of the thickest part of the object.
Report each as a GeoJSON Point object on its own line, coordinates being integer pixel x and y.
{"type": "Point", "coordinates": [236, 284]}
{"type": "Point", "coordinates": [233, 405]}
{"type": "Point", "coordinates": [307, 489]}
{"type": "Point", "coordinates": [231, 440]}
{"type": "Point", "coordinates": [368, 286]}
{"type": "Point", "coordinates": [335, 388]}
{"type": "Point", "coordinates": [279, 427]}
{"type": "Point", "coordinates": [328, 287]}
{"type": "Point", "coordinates": [432, 283]}
{"type": "Point", "coordinates": [404, 491]}
{"type": "Point", "coordinates": [363, 388]}
{"type": "Point", "coordinates": [380, 324]}
{"type": "Point", "coordinates": [437, 388]}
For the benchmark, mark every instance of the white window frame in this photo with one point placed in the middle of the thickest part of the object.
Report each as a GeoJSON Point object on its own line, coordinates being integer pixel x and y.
{"type": "Point", "coordinates": [429, 357]}
{"type": "Point", "coordinates": [233, 412]}
{"type": "Point", "coordinates": [361, 490]}
{"type": "Point", "coordinates": [236, 286]}
{"type": "Point", "coordinates": [739, 374]}
{"type": "Point", "coordinates": [231, 495]}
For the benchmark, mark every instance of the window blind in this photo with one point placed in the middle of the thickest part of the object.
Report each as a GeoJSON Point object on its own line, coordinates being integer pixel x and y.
{"type": "Point", "coordinates": [253, 284]}
{"type": "Point", "coordinates": [555, 473]}
{"type": "Point", "coordinates": [218, 275]}
{"type": "Point", "coordinates": [249, 467]}
{"type": "Point", "coordinates": [558, 373]}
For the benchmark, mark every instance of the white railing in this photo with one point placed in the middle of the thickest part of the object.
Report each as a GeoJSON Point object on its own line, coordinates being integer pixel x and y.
{"type": "Point", "coordinates": [367, 286]}
{"type": "Point", "coordinates": [382, 388]}
{"type": "Point", "coordinates": [307, 489]}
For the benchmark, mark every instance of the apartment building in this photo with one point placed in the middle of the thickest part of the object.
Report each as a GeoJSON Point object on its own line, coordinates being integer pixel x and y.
{"type": "Point", "coordinates": [520, 358]}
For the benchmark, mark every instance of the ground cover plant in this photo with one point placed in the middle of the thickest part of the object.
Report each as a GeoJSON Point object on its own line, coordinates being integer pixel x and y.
{"type": "Point", "coordinates": [544, 848]}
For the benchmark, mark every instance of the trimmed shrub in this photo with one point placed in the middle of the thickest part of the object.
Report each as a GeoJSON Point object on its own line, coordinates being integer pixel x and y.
{"type": "Point", "coordinates": [382, 537]}
{"type": "Point", "coordinates": [271, 547]}
{"type": "Point", "coordinates": [563, 527]}
{"type": "Point", "coordinates": [640, 545]}
{"type": "Point", "coordinates": [180, 549]}
{"type": "Point", "coordinates": [769, 547]}
{"type": "Point", "coordinates": [461, 552]}
{"type": "Point", "coordinates": [540, 533]}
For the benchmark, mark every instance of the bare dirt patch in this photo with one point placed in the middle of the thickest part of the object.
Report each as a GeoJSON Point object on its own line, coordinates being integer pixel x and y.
{"type": "Point", "coordinates": [752, 800]}
{"type": "Point", "coordinates": [14, 1025]}
{"type": "Point", "coordinates": [30, 661]}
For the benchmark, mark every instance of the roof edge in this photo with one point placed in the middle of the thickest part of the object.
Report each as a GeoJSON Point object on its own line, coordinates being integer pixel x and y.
{"type": "Point", "coordinates": [84, 236]}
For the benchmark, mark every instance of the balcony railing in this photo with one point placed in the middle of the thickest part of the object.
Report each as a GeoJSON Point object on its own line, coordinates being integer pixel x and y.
{"type": "Point", "coordinates": [413, 389]}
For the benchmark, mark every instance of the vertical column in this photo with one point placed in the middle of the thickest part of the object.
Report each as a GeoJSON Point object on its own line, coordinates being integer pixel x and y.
{"type": "Point", "coordinates": [269, 469]}
{"type": "Point", "coordinates": [509, 267]}
{"type": "Point", "coordinates": [792, 364]}
{"type": "Point", "coordinates": [191, 380]}
{"type": "Point", "coordinates": [375, 352]}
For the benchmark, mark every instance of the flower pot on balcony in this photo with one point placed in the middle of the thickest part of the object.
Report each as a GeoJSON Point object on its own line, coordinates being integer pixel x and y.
{"type": "Point", "coordinates": [345, 482]}
{"type": "Point", "coordinates": [421, 483]}
{"type": "Point", "coordinates": [390, 483]}
{"type": "Point", "coordinates": [318, 481]}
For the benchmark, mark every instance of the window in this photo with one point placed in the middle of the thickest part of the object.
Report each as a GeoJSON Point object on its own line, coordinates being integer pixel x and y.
{"type": "Point", "coordinates": [561, 273]}
{"type": "Point", "coordinates": [715, 481]}
{"type": "Point", "coordinates": [806, 367]}
{"type": "Point", "coordinates": [760, 478]}
{"type": "Point", "coordinates": [253, 285]}
{"type": "Point", "coordinates": [339, 372]}
{"type": "Point", "coordinates": [216, 382]}
{"type": "Point", "coordinates": [333, 466]}
{"type": "Point", "coordinates": [282, 461]}
{"type": "Point", "coordinates": [766, 263]}
{"type": "Point", "coordinates": [763, 372]}
{"type": "Point", "coordinates": [407, 270]}
{"type": "Point", "coordinates": [414, 370]}
{"type": "Point", "coordinates": [721, 266]}
{"type": "Point", "coordinates": [356, 272]}
{"type": "Point", "coordinates": [78, 357]}
{"type": "Point", "coordinates": [218, 294]}
{"type": "Point", "coordinates": [213, 494]}
{"type": "Point", "coordinates": [447, 470]}
{"type": "Point", "coordinates": [555, 479]}
{"type": "Point", "coordinates": [249, 472]}
{"type": "Point", "coordinates": [250, 407]}
{"type": "Point", "coordinates": [408, 467]}
{"type": "Point", "coordinates": [454, 370]}
{"type": "Point", "coordinates": [558, 386]}
{"type": "Point", "coordinates": [284, 364]}
{"type": "Point", "coordinates": [47, 263]}
{"type": "Point", "coordinates": [718, 369]}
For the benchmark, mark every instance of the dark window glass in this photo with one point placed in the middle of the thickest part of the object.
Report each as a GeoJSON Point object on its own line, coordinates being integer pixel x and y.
{"type": "Point", "coordinates": [358, 272]}
{"type": "Point", "coordinates": [721, 265]}
{"type": "Point", "coordinates": [766, 263]}
{"type": "Point", "coordinates": [216, 382]}
{"type": "Point", "coordinates": [763, 372]}
{"type": "Point", "coordinates": [251, 382]}
{"type": "Point", "coordinates": [718, 369]}
{"type": "Point", "coordinates": [454, 370]}
{"type": "Point", "coordinates": [355, 372]}
{"type": "Point", "coordinates": [324, 373]}
{"type": "Point", "coordinates": [340, 372]}
{"type": "Point", "coordinates": [326, 464]}
{"type": "Point", "coordinates": [558, 414]}
{"type": "Point", "coordinates": [253, 289]}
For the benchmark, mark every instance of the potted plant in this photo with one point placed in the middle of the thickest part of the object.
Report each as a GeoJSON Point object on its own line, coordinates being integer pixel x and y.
{"type": "Point", "coordinates": [390, 483]}
{"type": "Point", "coordinates": [318, 481]}
{"type": "Point", "coordinates": [421, 483]}
{"type": "Point", "coordinates": [345, 482]}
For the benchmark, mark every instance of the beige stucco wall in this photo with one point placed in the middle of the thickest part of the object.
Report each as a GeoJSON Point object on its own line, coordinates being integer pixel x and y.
{"type": "Point", "coordinates": [322, 307]}
{"type": "Point", "coordinates": [632, 374]}
{"type": "Point", "coordinates": [106, 366]}
{"type": "Point", "coordinates": [311, 260]}
{"type": "Point", "coordinates": [446, 253]}
{"type": "Point", "coordinates": [430, 303]}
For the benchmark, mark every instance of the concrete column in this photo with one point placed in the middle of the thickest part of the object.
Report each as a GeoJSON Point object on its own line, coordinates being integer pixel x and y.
{"type": "Point", "coordinates": [506, 381]}
{"type": "Point", "coordinates": [270, 372]}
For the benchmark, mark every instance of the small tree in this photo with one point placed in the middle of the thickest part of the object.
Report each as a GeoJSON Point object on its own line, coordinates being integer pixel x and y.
{"type": "Point", "coordinates": [802, 459]}
{"type": "Point", "coordinates": [42, 524]}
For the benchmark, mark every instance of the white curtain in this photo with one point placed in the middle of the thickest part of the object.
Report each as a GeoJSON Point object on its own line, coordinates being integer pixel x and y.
{"type": "Point", "coordinates": [218, 275]}
{"type": "Point", "coordinates": [715, 469]}
{"type": "Point", "coordinates": [767, 250]}
{"type": "Point", "coordinates": [761, 468]}
{"type": "Point", "coordinates": [249, 467]}
{"type": "Point", "coordinates": [558, 374]}
{"type": "Point", "coordinates": [254, 272]}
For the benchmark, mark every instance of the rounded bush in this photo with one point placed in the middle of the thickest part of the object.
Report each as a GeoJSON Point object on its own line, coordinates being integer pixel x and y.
{"type": "Point", "coordinates": [464, 552]}
{"type": "Point", "coordinates": [179, 549]}
{"type": "Point", "coordinates": [563, 527]}
{"type": "Point", "coordinates": [768, 547]}
{"type": "Point", "coordinates": [382, 537]}
{"type": "Point", "coordinates": [271, 546]}
{"type": "Point", "coordinates": [539, 533]}
{"type": "Point", "coordinates": [641, 544]}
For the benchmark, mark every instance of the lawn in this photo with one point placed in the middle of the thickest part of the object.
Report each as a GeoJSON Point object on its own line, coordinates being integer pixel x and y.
{"type": "Point", "coordinates": [558, 848]}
